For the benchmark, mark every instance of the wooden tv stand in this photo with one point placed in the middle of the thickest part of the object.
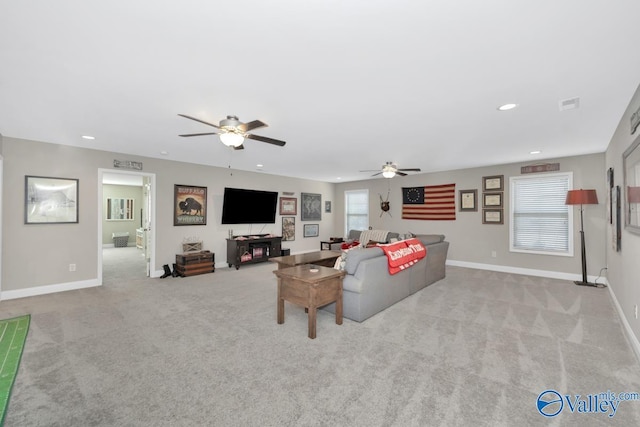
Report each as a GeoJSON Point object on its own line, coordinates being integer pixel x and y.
{"type": "Point", "coordinates": [250, 249]}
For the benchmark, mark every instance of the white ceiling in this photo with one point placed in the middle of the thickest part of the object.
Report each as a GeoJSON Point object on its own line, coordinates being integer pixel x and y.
{"type": "Point", "coordinates": [348, 84]}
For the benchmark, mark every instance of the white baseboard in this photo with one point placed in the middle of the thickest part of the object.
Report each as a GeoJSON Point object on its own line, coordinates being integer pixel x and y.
{"type": "Point", "coordinates": [520, 270]}
{"type": "Point", "coordinates": [633, 341]}
{"type": "Point", "coordinates": [48, 289]}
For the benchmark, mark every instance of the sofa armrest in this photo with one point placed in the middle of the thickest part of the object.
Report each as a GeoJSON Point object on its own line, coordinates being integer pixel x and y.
{"type": "Point", "coordinates": [436, 261]}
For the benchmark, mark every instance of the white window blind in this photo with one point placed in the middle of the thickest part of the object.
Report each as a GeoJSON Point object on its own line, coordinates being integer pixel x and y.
{"type": "Point", "coordinates": [540, 219]}
{"type": "Point", "coordinates": [357, 210]}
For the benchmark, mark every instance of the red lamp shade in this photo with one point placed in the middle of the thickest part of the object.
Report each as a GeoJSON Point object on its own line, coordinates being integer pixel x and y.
{"type": "Point", "coordinates": [633, 194]}
{"type": "Point", "coordinates": [581, 197]}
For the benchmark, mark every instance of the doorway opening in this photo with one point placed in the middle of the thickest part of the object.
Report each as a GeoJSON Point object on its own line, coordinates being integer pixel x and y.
{"type": "Point", "coordinates": [126, 231]}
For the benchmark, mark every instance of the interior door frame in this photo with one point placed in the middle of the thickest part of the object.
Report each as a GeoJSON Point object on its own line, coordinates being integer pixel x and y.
{"type": "Point", "coordinates": [152, 217]}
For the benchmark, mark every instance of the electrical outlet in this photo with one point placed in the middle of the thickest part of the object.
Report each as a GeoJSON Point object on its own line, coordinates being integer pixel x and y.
{"type": "Point", "coordinates": [72, 267]}
{"type": "Point", "coordinates": [493, 254]}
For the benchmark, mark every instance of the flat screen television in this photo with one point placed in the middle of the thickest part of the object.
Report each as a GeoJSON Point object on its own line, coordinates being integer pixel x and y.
{"type": "Point", "coordinates": [242, 206]}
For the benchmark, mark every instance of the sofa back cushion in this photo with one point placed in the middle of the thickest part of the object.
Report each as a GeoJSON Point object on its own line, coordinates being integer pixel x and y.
{"type": "Point", "coordinates": [430, 239]}
{"type": "Point", "coordinates": [354, 235]}
{"type": "Point", "coordinates": [355, 255]}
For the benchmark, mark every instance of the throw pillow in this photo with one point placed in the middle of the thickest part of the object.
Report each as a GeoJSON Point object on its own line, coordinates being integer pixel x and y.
{"type": "Point", "coordinates": [349, 245]}
{"type": "Point", "coordinates": [341, 260]}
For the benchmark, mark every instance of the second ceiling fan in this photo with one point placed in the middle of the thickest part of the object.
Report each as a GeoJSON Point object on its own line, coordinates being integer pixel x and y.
{"type": "Point", "coordinates": [233, 132]}
{"type": "Point", "coordinates": [390, 169]}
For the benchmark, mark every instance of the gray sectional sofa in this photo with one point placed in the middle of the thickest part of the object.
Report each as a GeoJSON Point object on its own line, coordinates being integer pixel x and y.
{"type": "Point", "coordinates": [368, 288]}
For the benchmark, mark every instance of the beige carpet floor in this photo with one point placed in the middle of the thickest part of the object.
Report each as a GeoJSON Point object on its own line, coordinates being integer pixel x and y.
{"type": "Point", "coordinates": [474, 349]}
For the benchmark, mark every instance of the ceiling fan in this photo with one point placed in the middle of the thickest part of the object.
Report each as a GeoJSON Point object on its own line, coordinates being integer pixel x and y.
{"type": "Point", "coordinates": [233, 132]}
{"type": "Point", "coordinates": [389, 170]}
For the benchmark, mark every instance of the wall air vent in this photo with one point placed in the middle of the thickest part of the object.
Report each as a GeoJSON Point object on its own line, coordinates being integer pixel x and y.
{"type": "Point", "coordinates": [569, 104]}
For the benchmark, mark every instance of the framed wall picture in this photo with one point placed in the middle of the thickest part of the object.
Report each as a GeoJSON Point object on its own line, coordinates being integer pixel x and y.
{"type": "Point", "coordinates": [468, 200]}
{"type": "Point", "coordinates": [50, 200]}
{"type": "Point", "coordinates": [288, 228]}
{"type": "Point", "coordinates": [631, 188]}
{"type": "Point", "coordinates": [492, 200]}
{"type": "Point", "coordinates": [119, 209]}
{"type": "Point", "coordinates": [327, 206]}
{"type": "Point", "coordinates": [189, 205]}
{"type": "Point", "coordinates": [492, 216]}
{"type": "Point", "coordinates": [311, 206]}
{"type": "Point", "coordinates": [288, 206]}
{"type": "Point", "coordinates": [610, 194]}
{"type": "Point", "coordinates": [311, 230]}
{"type": "Point", "coordinates": [617, 219]}
{"type": "Point", "coordinates": [493, 183]}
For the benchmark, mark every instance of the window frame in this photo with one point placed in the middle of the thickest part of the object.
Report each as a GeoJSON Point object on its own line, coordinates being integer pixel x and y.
{"type": "Point", "coordinates": [512, 212]}
{"type": "Point", "coordinates": [346, 208]}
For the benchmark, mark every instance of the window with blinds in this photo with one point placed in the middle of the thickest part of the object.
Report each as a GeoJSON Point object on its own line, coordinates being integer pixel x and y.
{"type": "Point", "coordinates": [541, 222]}
{"type": "Point", "coordinates": [357, 210]}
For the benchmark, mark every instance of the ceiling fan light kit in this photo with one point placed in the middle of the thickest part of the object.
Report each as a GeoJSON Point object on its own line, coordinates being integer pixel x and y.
{"type": "Point", "coordinates": [231, 139]}
{"type": "Point", "coordinates": [388, 171]}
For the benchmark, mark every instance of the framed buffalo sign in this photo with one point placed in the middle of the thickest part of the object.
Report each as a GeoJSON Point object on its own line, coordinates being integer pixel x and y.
{"type": "Point", "coordinates": [189, 205]}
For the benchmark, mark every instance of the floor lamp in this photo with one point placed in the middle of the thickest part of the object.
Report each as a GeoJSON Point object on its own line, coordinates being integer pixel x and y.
{"type": "Point", "coordinates": [582, 197]}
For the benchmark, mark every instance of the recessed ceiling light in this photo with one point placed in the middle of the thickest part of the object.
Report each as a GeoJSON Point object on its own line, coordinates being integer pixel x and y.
{"type": "Point", "coordinates": [259, 165]}
{"type": "Point", "coordinates": [88, 137]}
{"type": "Point", "coordinates": [507, 107]}
{"type": "Point", "coordinates": [535, 152]}
{"type": "Point", "coordinates": [164, 153]}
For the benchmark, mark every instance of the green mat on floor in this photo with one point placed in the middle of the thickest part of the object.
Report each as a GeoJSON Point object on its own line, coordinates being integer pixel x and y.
{"type": "Point", "coordinates": [13, 333]}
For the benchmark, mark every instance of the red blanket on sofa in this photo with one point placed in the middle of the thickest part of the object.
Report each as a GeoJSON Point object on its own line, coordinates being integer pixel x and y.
{"type": "Point", "coordinates": [403, 254]}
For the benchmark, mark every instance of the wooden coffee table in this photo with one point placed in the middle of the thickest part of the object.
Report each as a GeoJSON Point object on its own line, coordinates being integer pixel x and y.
{"type": "Point", "coordinates": [310, 286]}
{"type": "Point", "coordinates": [325, 258]}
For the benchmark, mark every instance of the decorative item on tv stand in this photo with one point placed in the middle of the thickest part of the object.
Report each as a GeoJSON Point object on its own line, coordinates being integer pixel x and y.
{"type": "Point", "coordinates": [191, 244]}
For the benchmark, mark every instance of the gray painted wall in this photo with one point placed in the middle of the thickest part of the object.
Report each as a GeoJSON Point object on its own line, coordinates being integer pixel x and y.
{"type": "Point", "coordinates": [473, 242]}
{"type": "Point", "coordinates": [39, 255]}
{"type": "Point", "coordinates": [624, 269]}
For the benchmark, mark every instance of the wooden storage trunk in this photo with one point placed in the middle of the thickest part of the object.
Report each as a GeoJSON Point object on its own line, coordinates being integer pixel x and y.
{"type": "Point", "coordinates": [192, 263]}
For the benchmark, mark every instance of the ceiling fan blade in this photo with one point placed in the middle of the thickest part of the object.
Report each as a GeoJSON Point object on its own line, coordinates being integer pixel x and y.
{"type": "Point", "coordinates": [198, 120]}
{"type": "Point", "coordinates": [370, 170]}
{"type": "Point", "coordinates": [375, 174]}
{"type": "Point", "coordinates": [239, 147]}
{"type": "Point", "coordinates": [265, 139]}
{"type": "Point", "coordinates": [410, 170]}
{"type": "Point", "coordinates": [246, 127]}
{"type": "Point", "coordinates": [200, 134]}
{"type": "Point", "coordinates": [400, 173]}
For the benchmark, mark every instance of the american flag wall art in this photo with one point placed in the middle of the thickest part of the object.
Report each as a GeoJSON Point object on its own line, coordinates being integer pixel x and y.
{"type": "Point", "coordinates": [431, 203]}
